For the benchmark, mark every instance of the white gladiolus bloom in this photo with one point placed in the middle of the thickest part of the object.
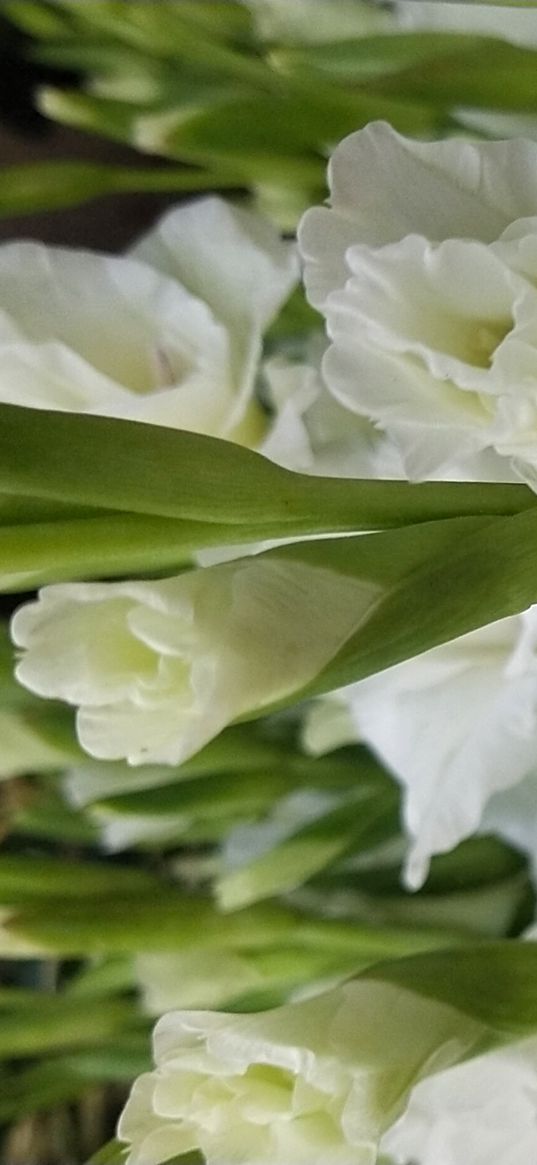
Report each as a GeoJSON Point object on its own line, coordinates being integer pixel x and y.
{"type": "Point", "coordinates": [169, 334]}
{"type": "Point", "coordinates": [426, 270]}
{"type": "Point", "coordinates": [309, 1083]}
{"type": "Point", "coordinates": [455, 725]}
{"type": "Point", "coordinates": [476, 1113]}
{"type": "Point", "coordinates": [159, 668]}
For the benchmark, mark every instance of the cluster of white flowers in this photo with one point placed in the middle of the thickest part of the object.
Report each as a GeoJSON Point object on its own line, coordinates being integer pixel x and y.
{"type": "Point", "coordinates": [425, 269]}
{"type": "Point", "coordinates": [405, 269]}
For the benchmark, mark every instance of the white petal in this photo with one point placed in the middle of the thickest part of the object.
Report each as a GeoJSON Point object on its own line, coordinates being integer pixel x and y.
{"type": "Point", "coordinates": [384, 187]}
{"type": "Point", "coordinates": [235, 262]}
{"type": "Point", "coordinates": [154, 1141]}
{"type": "Point", "coordinates": [512, 815]}
{"type": "Point", "coordinates": [112, 311]}
{"type": "Point", "coordinates": [231, 258]}
{"type": "Point", "coordinates": [455, 725]}
{"type": "Point", "coordinates": [432, 422]}
{"type": "Point", "coordinates": [473, 1114]}
{"type": "Point", "coordinates": [81, 652]}
{"type": "Point", "coordinates": [449, 305]}
{"type": "Point", "coordinates": [50, 375]}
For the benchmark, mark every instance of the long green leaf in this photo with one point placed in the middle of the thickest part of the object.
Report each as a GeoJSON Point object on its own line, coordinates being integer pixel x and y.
{"type": "Point", "coordinates": [169, 921]}
{"type": "Point", "coordinates": [57, 1022]}
{"type": "Point", "coordinates": [166, 30]}
{"type": "Point", "coordinates": [468, 574]}
{"type": "Point", "coordinates": [493, 982]}
{"type": "Point", "coordinates": [127, 466]}
{"type": "Point", "coordinates": [349, 827]}
{"type": "Point", "coordinates": [356, 59]}
{"type": "Point", "coordinates": [36, 186]}
{"type": "Point", "coordinates": [246, 128]}
{"type": "Point", "coordinates": [25, 878]}
{"type": "Point", "coordinates": [37, 19]}
{"type": "Point", "coordinates": [493, 75]}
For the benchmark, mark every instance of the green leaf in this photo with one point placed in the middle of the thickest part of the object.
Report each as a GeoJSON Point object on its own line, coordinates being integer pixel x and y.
{"type": "Point", "coordinates": [197, 810]}
{"type": "Point", "coordinates": [148, 469]}
{"type": "Point", "coordinates": [58, 1023]}
{"type": "Point", "coordinates": [358, 59]}
{"type": "Point", "coordinates": [250, 980]}
{"type": "Point", "coordinates": [24, 878]}
{"type": "Point", "coordinates": [493, 75]}
{"type": "Point", "coordinates": [442, 580]}
{"type": "Point", "coordinates": [240, 766]}
{"type": "Point", "coordinates": [241, 748]}
{"type": "Point", "coordinates": [34, 739]}
{"type": "Point", "coordinates": [493, 982]}
{"type": "Point", "coordinates": [474, 863]}
{"type": "Point", "coordinates": [167, 30]}
{"type": "Point", "coordinates": [353, 825]}
{"type": "Point", "coordinates": [47, 816]}
{"type": "Point", "coordinates": [33, 553]}
{"type": "Point", "coordinates": [36, 19]}
{"type": "Point", "coordinates": [88, 111]}
{"type": "Point", "coordinates": [42, 1086]}
{"type": "Point", "coordinates": [103, 977]}
{"type": "Point", "coordinates": [15, 511]}
{"type": "Point", "coordinates": [111, 1154]}
{"type": "Point", "coordinates": [36, 186]}
{"type": "Point", "coordinates": [246, 128]}
{"type": "Point", "coordinates": [169, 921]}
{"type": "Point", "coordinates": [374, 895]}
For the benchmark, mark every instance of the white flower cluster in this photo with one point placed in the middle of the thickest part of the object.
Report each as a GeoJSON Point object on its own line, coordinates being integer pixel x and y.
{"type": "Point", "coordinates": [425, 268]}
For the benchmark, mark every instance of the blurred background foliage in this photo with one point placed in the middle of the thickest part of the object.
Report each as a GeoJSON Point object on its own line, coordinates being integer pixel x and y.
{"type": "Point", "coordinates": [246, 95]}
{"type": "Point", "coordinates": [255, 872]}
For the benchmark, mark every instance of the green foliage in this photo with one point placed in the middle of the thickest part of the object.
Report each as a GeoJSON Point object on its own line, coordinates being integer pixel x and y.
{"type": "Point", "coordinates": [178, 492]}
{"type": "Point", "coordinates": [194, 82]}
{"type": "Point", "coordinates": [38, 186]}
{"type": "Point", "coordinates": [276, 871]}
{"type": "Point", "coordinates": [493, 982]}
